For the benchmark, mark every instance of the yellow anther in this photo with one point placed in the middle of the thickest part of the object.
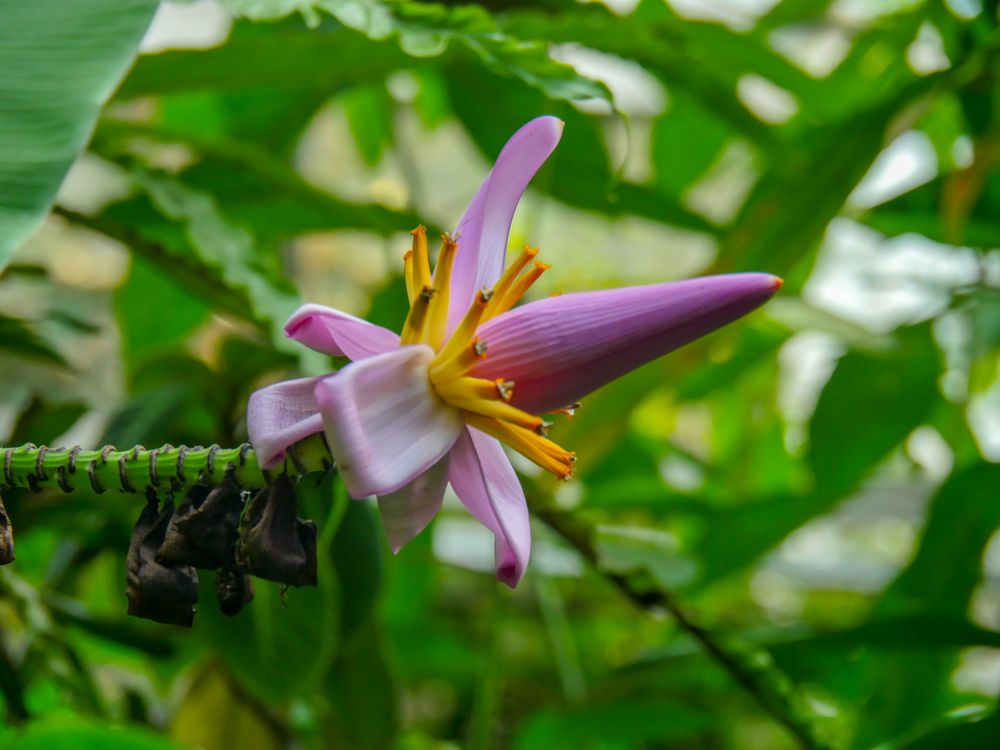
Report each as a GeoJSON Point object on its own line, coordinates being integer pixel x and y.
{"type": "Point", "coordinates": [505, 388]}
{"type": "Point", "coordinates": [568, 411]}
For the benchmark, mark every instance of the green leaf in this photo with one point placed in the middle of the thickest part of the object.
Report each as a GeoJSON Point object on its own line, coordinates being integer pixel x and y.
{"type": "Point", "coordinates": [369, 115]}
{"type": "Point", "coordinates": [428, 29]}
{"type": "Point", "coordinates": [17, 338]}
{"type": "Point", "coordinates": [155, 313]}
{"type": "Point", "coordinates": [289, 58]}
{"type": "Point", "coordinates": [59, 61]}
{"type": "Point", "coordinates": [363, 704]}
{"type": "Point", "coordinates": [963, 731]}
{"type": "Point", "coordinates": [217, 715]}
{"type": "Point", "coordinates": [357, 555]}
{"type": "Point", "coordinates": [43, 422]}
{"type": "Point", "coordinates": [902, 691]}
{"type": "Point", "coordinates": [626, 722]}
{"type": "Point", "coordinates": [77, 734]}
{"type": "Point", "coordinates": [686, 140]}
{"type": "Point", "coordinates": [257, 189]}
{"type": "Point", "coordinates": [280, 645]}
{"type": "Point", "coordinates": [925, 210]}
{"type": "Point", "coordinates": [871, 403]}
{"type": "Point", "coordinates": [578, 173]}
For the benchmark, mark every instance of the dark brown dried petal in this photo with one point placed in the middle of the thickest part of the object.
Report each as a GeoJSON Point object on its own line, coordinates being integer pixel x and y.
{"type": "Point", "coordinates": [274, 543]}
{"type": "Point", "coordinates": [155, 591]}
{"type": "Point", "coordinates": [6, 537]}
{"type": "Point", "coordinates": [203, 531]}
{"type": "Point", "coordinates": [233, 591]}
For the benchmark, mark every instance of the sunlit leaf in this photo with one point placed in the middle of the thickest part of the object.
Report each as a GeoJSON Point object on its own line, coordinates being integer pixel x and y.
{"type": "Point", "coordinates": [59, 60]}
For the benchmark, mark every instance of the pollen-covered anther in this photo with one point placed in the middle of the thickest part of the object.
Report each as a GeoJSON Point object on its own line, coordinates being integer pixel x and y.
{"type": "Point", "coordinates": [505, 388]}
{"type": "Point", "coordinates": [543, 428]}
{"type": "Point", "coordinates": [568, 411]}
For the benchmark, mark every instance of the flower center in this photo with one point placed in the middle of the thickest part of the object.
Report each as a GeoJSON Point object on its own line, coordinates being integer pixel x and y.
{"type": "Point", "coordinates": [485, 404]}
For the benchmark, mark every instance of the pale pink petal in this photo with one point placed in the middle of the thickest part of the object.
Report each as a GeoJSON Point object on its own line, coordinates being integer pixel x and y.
{"type": "Point", "coordinates": [407, 511]}
{"type": "Point", "coordinates": [384, 423]}
{"type": "Point", "coordinates": [279, 415]}
{"type": "Point", "coordinates": [558, 350]}
{"type": "Point", "coordinates": [336, 333]}
{"type": "Point", "coordinates": [485, 482]}
{"type": "Point", "coordinates": [484, 228]}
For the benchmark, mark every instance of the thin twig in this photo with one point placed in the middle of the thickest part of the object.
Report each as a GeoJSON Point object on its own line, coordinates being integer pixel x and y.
{"type": "Point", "coordinates": [653, 598]}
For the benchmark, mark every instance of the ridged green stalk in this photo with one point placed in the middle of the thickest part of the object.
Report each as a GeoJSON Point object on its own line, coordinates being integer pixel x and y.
{"type": "Point", "coordinates": [137, 468]}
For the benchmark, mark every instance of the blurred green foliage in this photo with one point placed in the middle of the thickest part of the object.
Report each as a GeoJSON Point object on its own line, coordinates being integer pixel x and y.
{"type": "Point", "coordinates": [818, 482]}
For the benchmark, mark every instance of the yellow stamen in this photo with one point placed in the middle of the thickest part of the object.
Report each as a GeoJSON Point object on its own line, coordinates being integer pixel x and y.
{"type": "Point", "coordinates": [467, 358]}
{"type": "Point", "coordinates": [415, 327]}
{"type": "Point", "coordinates": [509, 276]}
{"type": "Point", "coordinates": [513, 295]}
{"type": "Point", "coordinates": [503, 411]}
{"type": "Point", "coordinates": [438, 314]}
{"type": "Point", "coordinates": [530, 444]}
{"type": "Point", "coordinates": [463, 334]}
{"type": "Point", "coordinates": [411, 290]}
{"type": "Point", "coordinates": [473, 388]}
{"type": "Point", "coordinates": [460, 393]}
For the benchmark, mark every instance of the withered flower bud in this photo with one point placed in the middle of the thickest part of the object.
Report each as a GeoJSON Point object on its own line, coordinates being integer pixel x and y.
{"type": "Point", "coordinates": [155, 591]}
{"type": "Point", "coordinates": [6, 537]}
{"type": "Point", "coordinates": [233, 591]}
{"type": "Point", "coordinates": [203, 530]}
{"type": "Point", "coordinates": [274, 543]}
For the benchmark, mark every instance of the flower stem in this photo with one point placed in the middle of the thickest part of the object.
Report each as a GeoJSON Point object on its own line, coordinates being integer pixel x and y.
{"type": "Point", "coordinates": [137, 468]}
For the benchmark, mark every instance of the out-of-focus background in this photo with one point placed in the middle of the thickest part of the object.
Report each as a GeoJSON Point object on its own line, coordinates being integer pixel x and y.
{"type": "Point", "coordinates": [816, 484]}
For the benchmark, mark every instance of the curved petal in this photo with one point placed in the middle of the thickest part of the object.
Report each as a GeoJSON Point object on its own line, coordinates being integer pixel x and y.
{"type": "Point", "coordinates": [407, 511]}
{"type": "Point", "coordinates": [559, 349]}
{"type": "Point", "coordinates": [485, 482]}
{"type": "Point", "coordinates": [336, 333]}
{"type": "Point", "coordinates": [485, 226]}
{"type": "Point", "coordinates": [279, 415]}
{"type": "Point", "coordinates": [384, 423]}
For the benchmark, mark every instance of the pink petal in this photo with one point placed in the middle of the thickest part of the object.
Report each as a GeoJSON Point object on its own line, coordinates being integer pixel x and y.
{"type": "Point", "coordinates": [384, 423]}
{"type": "Point", "coordinates": [336, 333]}
{"type": "Point", "coordinates": [407, 511]}
{"type": "Point", "coordinates": [485, 226]}
{"type": "Point", "coordinates": [486, 484]}
{"type": "Point", "coordinates": [558, 350]}
{"type": "Point", "coordinates": [279, 415]}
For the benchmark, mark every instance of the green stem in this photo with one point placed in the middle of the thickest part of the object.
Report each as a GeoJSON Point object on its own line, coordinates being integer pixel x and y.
{"type": "Point", "coordinates": [137, 468]}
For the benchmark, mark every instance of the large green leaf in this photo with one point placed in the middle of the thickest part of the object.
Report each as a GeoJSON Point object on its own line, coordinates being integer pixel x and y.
{"type": "Point", "coordinates": [871, 403]}
{"type": "Point", "coordinates": [427, 29]}
{"type": "Point", "coordinates": [76, 734]}
{"type": "Point", "coordinates": [59, 61]}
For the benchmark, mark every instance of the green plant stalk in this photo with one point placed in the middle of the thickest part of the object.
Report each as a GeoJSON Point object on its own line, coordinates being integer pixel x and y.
{"type": "Point", "coordinates": [135, 469]}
